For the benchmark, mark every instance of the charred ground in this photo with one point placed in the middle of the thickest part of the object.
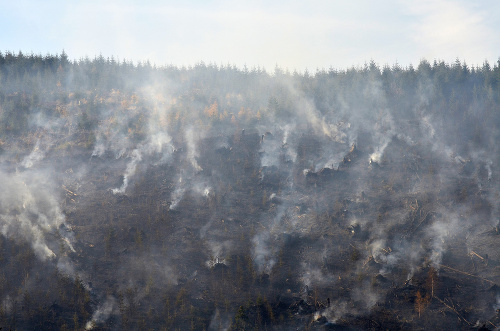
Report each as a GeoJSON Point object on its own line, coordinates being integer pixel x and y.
{"type": "Point", "coordinates": [213, 198]}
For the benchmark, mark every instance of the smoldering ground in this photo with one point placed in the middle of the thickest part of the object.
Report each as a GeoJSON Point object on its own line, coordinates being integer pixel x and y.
{"type": "Point", "coordinates": [242, 197]}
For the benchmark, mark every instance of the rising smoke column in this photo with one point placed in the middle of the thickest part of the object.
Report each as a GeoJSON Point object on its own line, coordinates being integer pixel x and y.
{"type": "Point", "coordinates": [29, 209]}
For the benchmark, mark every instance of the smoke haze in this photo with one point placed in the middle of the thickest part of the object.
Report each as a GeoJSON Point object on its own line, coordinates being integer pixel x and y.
{"type": "Point", "coordinates": [213, 197]}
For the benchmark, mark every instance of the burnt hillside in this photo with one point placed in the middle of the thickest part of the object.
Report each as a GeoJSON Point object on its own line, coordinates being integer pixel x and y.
{"type": "Point", "coordinates": [134, 197]}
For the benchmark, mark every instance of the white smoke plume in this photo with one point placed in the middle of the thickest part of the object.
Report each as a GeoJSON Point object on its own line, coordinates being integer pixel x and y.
{"type": "Point", "coordinates": [264, 251]}
{"type": "Point", "coordinates": [136, 157]}
{"type": "Point", "coordinates": [177, 194]}
{"type": "Point", "coordinates": [37, 154]}
{"type": "Point", "coordinates": [102, 313]}
{"type": "Point", "coordinates": [192, 136]}
{"type": "Point", "coordinates": [158, 143]}
{"type": "Point", "coordinates": [220, 321]}
{"type": "Point", "coordinates": [29, 209]}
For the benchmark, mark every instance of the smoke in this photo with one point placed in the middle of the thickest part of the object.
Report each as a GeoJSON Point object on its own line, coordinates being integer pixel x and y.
{"type": "Point", "coordinates": [7, 304]}
{"type": "Point", "coordinates": [102, 313]}
{"type": "Point", "coordinates": [220, 321]}
{"type": "Point", "coordinates": [265, 243]}
{"type": "Point", "coordinates": [192, 137]}
{"type": "Point", "coordinates": [191, 179]}
{"type": "Point", "coordinates": [365, 296]}
{"type": "Point", "coordinates": [158, 143]}
{"type": "Point", "coordinates": [30, 210]}
{"type": "Point", "coordinates": [135, 157]}
{"type": "Point", "coordinates": [264, 252]}
{"type": "Point", "coordinates": [271, 149]}
{"type": "Point", "coordinates": [272, 170]}
{"type": "Point", "coordinates": [379, 151]}
{"type": "Point", "coordinates": [313, 276]}
{"type": "Point", "coordinates": [177, 194]}
{"type": "Point", "coordinates": [337, 310]}
{"type": "Point", "coordinates": [37, 154]}
{"type": "Point", "coordinates": [440, 232]}
{"type": "Point", "coordinates": [218, 252]}
{"type": "Point", "coordinates": [488, 165]}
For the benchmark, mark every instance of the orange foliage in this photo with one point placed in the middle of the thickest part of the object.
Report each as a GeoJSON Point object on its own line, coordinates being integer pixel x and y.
{"type": "Point", "coordinates": [212, 111]}
{"type": "Point", "coordinates": [258, 116]}
{"type": "Point", "coordinates": [421, 302]}
{"type": "Point", "coordinates": [241, 113]}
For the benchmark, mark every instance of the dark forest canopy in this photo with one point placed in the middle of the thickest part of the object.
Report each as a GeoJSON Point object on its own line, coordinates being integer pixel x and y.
{"type": "Point", "coordinates": [45, 78]}
{"type": "Point", "coordinates": [110, 72]}
{"type": "Point", "coordinates": [214, 197]}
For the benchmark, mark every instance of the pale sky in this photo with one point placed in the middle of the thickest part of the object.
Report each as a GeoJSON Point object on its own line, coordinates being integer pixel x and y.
{"type": "Point", "coordinates": [293, 34]}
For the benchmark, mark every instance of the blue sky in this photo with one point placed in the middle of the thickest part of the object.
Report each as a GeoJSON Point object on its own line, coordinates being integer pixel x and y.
{"type": "Point", "coordinates": [293, 34]}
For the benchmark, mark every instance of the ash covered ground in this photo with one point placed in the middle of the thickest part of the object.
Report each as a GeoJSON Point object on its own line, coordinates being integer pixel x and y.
{"type": "Point", "coordinates": [135, 197]}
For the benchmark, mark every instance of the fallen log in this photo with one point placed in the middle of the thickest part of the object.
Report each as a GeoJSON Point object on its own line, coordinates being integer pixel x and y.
{"type": "Point", "coordinates": [474, 253]}
{"type": "Point", "coordinates": [466, 273]}
{"type": "Point", "coordinates": [454, 310]}
{"type": "Point", "coordinates": [68, 190]}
